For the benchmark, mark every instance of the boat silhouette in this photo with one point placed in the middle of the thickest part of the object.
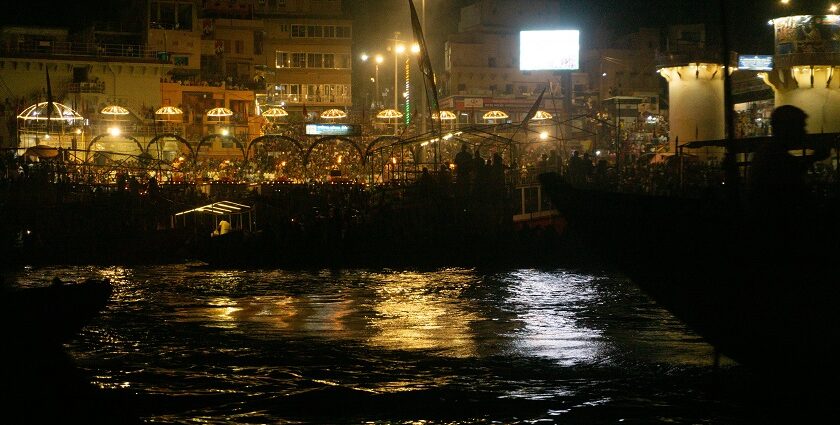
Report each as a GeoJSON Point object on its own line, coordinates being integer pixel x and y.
{"type": "Point", "coordinates": [761, 289]}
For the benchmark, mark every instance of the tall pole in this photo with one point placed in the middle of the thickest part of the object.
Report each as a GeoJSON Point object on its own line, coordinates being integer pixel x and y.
{"type": "Point", "coordinates": [396, 70]}
{"type": "Point", "coordinates": [376, 82]}
{"type": "Point", "coordinates": [423, 98]}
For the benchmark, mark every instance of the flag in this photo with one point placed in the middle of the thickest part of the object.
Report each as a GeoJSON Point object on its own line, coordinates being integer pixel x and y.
{"type": "Point", "coordinates": [534, 108]}
{"type": "Point", "coordinates": [49, 98]}
{"type": "Point", "coordinates": [425, 64]}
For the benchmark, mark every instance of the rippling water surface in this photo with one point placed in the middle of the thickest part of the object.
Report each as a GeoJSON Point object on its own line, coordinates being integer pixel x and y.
{"type": "Point", "coordinates": [391, 346]}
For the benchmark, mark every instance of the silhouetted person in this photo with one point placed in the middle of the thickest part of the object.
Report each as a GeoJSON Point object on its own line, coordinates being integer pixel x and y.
{"type": "Point", "coordinates": [575, 175]}
{"type": "Point", "coordinates": [779, 190]}
{"type": "Point", "coordinates": [463, 164]}
{"type": "Point", "coordinates": [777, 178]}
{"type": "Point", "coordinates": [553, 162]}
{"type": "Point", "coordinates": [587, 168]}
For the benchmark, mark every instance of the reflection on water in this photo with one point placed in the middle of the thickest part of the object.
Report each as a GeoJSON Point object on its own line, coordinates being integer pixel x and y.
{"type": "Point", "coordinates": [547, 305]}
{"type": "Point", "coordinates": [416, 311]}
{"type": "Point", "coordinates": [269, 345]}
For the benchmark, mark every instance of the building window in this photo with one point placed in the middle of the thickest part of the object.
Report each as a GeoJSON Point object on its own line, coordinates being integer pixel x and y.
{"type": "Point", "coordinates": [238, 47]}
{"type": "Point", "coordinates": [298, 60]}
{"type": "Point", "coordinates": [329, 60]}
{"type": "Point", "coordinates": [342, 61]}
{"type": "Point", "coordinates": [329, 31]}
{"type": "Point", "coordinates": [282, 60]}
{"type": "Point", "coordinates": [314, 60]}
{"type": "Point", "coordinates": [315, 31]}
{"type": "Point", "coordinates": [171, 15]}
{"type": "Point", "coordinates": [298, 31]}
{"type": "Point", "coordinates": [342, 32]}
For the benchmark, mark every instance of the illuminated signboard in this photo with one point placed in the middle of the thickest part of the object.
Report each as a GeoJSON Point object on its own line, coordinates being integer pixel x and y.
{"type": "Point", "coordinates": [549, 50]}
{"type": "Point", "coordinates": [755, 62]}
{"type": "Point", "coordinates": [333, 130]}
{"type": "Point", "coordinates": [807, 34]}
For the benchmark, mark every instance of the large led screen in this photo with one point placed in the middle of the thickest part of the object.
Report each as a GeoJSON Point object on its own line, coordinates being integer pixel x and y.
{"type": "Point", "coordinates": [549, 50]}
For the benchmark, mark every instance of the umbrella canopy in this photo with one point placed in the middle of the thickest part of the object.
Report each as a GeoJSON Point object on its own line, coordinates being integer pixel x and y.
{"type": "Point", "coordinates": [169, 110]}
{"type": "Point", "coordinates": [495, 115]}
{"type": "Point", "coordinates": [219, 112]}
{"type": "Point", "coordinates": [114, 110]}
{"type": "Point", "coordinates": [275, 113]}
{"type": "Point", "coordinates": [38, 112]}
{"type": "Point", "coordinates": [389, 114]}
{"type": "Point", "coordinates": [541, 115]}
{"type": "Point", "coordinates": [332, 114]}
{"type": "Point", "coordinates": [445, 116]}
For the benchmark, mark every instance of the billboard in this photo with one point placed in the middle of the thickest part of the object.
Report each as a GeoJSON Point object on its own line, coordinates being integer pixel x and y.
{"type": "Point", "coordinates": [755, 62]}
{"type": "Point", "coordinates": [807, 34]}
{"type": "Point", "coordinates": [333, 130]}
{"type": "Point", "coordinates": [549, 50]}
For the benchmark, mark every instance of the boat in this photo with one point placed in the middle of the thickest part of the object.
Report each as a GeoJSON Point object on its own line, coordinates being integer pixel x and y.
{"type": "Point", "coordinates": [763, 293]}
{"type": "Point", "coordinates": [51, 315]}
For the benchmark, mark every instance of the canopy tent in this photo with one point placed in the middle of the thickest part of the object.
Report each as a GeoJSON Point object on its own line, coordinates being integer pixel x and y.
{"type": "Point", "coordinates": [237, 215]}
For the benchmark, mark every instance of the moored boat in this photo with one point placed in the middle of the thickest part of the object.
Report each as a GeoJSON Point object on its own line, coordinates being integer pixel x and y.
{"type": "Point", "coordinates": [762, 293]}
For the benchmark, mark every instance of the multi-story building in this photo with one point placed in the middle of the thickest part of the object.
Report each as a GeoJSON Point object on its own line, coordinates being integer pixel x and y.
{"type": "Point", "coordinates": [481, 62]}
{"type": "Point", "coordinates": [306, 58]}
{"type": "Point", "coordinates": [195, 55]}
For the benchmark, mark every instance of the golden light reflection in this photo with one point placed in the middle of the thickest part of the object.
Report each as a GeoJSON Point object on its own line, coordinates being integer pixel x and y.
{"type": "Point", "coordinates": [410, 317]}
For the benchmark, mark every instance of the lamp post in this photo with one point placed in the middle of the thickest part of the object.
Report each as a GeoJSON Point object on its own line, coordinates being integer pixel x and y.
{"type": "Point", "coordinates": [398, 49]}
{"type": "Point", "coordinates": [376, 61]}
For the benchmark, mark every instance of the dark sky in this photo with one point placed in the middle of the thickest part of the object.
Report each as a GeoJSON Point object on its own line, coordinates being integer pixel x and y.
{"type": "Point", "coordinates": [376, 20]}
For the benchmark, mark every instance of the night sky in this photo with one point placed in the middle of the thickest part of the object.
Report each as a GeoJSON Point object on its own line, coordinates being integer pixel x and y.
{"type": "Point", "coordinates": [376, 20]}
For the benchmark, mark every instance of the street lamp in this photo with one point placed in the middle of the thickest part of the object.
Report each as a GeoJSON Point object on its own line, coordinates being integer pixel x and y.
{"type": "Point", "coordinates": [378, 59]}
{"type": "Point", "coordinates": [398, 50]}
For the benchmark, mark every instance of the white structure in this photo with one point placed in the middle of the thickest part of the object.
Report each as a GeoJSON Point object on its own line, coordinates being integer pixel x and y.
{"type": "Point", "coordinates": [806, 71]}
{"type": "Point", "coordinates": [695, 93]}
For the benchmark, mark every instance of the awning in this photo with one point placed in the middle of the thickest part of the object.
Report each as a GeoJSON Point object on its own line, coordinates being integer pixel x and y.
{"type": "Point", "coordinates": [42, 151]}
{"type": "Point", "coordinates": [219, 208]}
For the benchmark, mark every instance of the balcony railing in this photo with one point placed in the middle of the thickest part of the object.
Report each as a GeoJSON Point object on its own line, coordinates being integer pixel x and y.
{"type": "Point", "coordinates": [311, 98]}
{"type": "Point", "coordinates": [136, 52]}
{"type": "Point", "coordinates": [86, 87]}
{"type": "Point", "coordinates": [681, 58]}
{"type": "Point", "coordinates": [806, 59]}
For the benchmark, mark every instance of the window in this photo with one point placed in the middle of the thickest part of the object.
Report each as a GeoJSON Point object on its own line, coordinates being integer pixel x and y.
{"type": "Point", "coordinates": [342, 32]}
{"type": "Point", "coordinates": [314, 31]}
{"type": "Point", "coordinates": [314, 60]}
{"type": "Point", "coordinates": [298, 60]}
{"type": "Point", "coordinates": [342, 61]}
{"type": "Point", "coordinates": [184, 18]}
{"type": "Point", "coordinates": [329, 31]}
{"type": "Point", "coordinates": [329, 60]}
{"type": "Point", "coordinates": [282, 60]}
{"type": "Point", "coordinates": [298, 31]}
{"type": "Point", "coordinates": [239, 47]}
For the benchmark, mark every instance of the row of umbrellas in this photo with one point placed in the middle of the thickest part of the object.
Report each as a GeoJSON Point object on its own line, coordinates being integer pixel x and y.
{"type": "Point", "coordinates": [60, 111]}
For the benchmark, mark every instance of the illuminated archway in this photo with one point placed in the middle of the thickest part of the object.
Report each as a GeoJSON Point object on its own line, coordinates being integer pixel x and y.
{"type": "Point", "coordinates": [339, 158]}
{"type": "Point", "coordinates": [274, 159]}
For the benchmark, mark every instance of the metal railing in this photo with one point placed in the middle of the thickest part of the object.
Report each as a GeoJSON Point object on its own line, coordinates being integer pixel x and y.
{"type": "Point", "coordinates": [70, 48]}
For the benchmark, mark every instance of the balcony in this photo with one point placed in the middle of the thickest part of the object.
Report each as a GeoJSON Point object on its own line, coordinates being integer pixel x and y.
{"type": "Point", "coordinates": [682, 58]}
{"type": "Point", "coordinates": [86, 87]}
{"type": "Point", "coordinates": [115, 52]}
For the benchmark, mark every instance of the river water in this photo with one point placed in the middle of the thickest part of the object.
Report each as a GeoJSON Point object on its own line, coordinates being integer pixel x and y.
{"type": "Point", "coordinates": [454, 345]}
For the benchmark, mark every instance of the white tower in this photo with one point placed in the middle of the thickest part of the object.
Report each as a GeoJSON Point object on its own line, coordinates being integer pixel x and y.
{"type": "Point", "coordinates": [806, 71]}
{"type": "Point", "coordinates": [695, 93]}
